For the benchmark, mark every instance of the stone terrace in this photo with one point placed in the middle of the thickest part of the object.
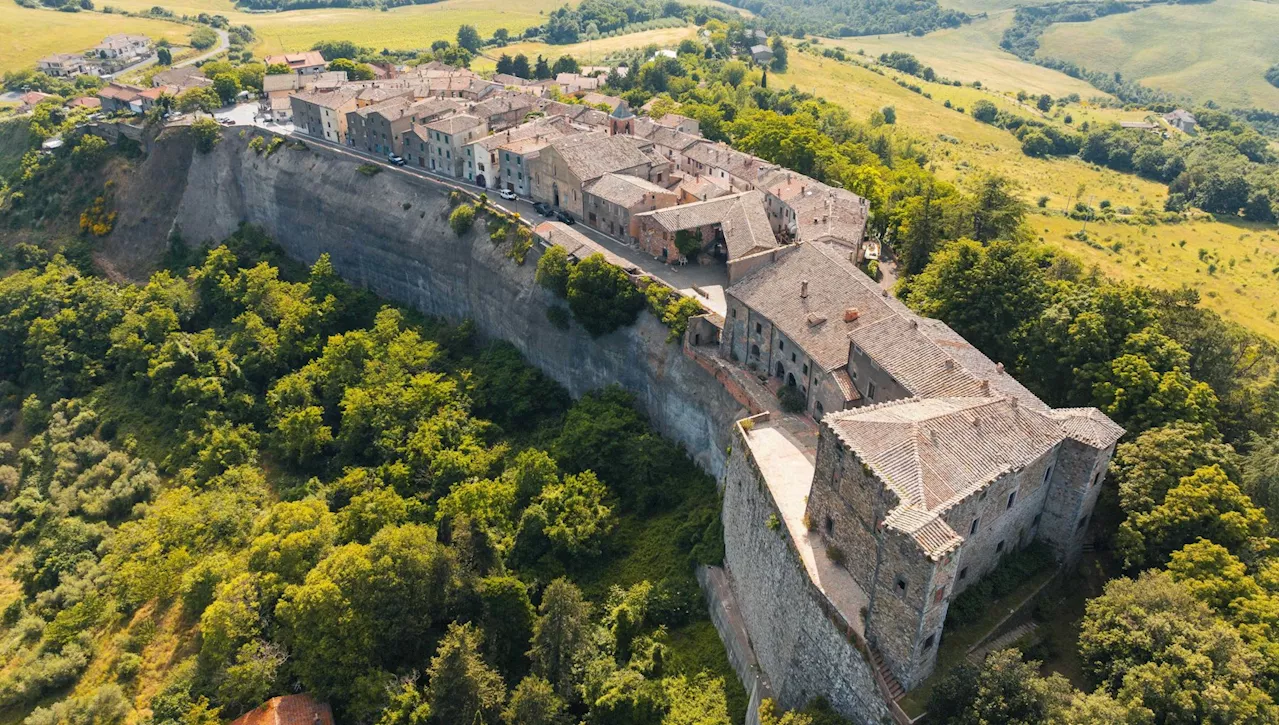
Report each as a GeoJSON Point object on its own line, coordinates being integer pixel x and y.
{"type": "Point", "coordinates": [776, 443]}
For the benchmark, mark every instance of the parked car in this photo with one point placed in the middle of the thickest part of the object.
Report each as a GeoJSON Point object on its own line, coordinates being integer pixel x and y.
{"type": "Point", "coordinates": [565, 217]}
{"type": "Point", "coordinates": [542, 208]}
{"type": "Point", "coordinates": [397, 160]}
{"type": "Point", "coordinates": [226, 121]}
{"type": "Point", "coordinates": [507, 194]}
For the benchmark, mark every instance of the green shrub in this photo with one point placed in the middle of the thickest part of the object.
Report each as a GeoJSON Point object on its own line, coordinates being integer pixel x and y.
{"type": "Point", "coordinates": [791, 399]}
{"type": "Point", "coordinates": [601, 296]}
{"type": "Point", "coordinates": [558, 317]}
{"type": "Point", "coordinates": [461, 218]}
{"type": "Point", "coordinates": [128, 666]}
{"type": "Point", "coordinates": [207, 133]}
{"type": "Point", "coordinates": [369, 169]}
{"type": "Point", "coordinates": [257, 144]}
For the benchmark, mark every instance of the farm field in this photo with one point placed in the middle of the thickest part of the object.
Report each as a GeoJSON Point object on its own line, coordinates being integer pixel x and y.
{"type": "Point", "coordinates": [1215, 50]}
{"type": "Point", "coordinates": [26, 35]}
{"type": "Point", "coordinates": [976, 148]}
{"type": "Point", "coordinates": [589, 52]}
{"type": "Point", "coordinates": [972, 53]}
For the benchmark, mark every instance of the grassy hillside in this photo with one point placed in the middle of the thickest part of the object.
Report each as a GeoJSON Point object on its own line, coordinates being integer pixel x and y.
{"type": "Point", "coordinates": [1217, 50]}
{"type": "Point", "coordinates": [27, 35]}
{"type": "Point", "coordinates": [961, 147]}
{"type": "Point", "coordinates": [972, 53]}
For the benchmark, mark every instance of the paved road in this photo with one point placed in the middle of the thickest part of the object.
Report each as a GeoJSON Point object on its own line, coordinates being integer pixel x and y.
{"type": "Point", "coordinates": [224, 41]}
{"type": "Point", "coordinates": [709, 278]}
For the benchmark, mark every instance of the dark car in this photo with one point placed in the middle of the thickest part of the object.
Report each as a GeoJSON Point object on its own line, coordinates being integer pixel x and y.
{"type": "Point", "coordinates": [542, 208]}
{"type": "Point", "coordinates": [564, 217]}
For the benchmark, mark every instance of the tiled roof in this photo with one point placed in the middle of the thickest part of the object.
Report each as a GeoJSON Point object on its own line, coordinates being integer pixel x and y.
{"type": "Point", "coordinates": [623, 189]}
{"type": "Point", "coordinates": [933, 452]}
{"type": "Point", "coordinates": [1088, 425]}
{"type": "Point", "coordinates": [288, 710]}
{"type": "Point", "coordinates": [671, 138]}
{"type": "Point", "coordinates": [334, 100]}
{"type": "Point", "coordinates": [741, 217]}
{"type": "Point", "coordinates": [592, 155]}
{"type": "Point", "coordinates": [297, 60]}
{"type": "Point", "coordinates": [456, 123]}
{"type": "Point", "coordinates": [280, 82]}
{"type": "Point", "coordinates": [505, 103]}
{"type": "Point", "coordinates": [119, 92]}
{"type": "Point", "coordinates": [734, 162]}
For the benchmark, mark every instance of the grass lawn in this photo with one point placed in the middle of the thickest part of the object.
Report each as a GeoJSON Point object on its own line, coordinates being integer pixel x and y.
{"type": "Point", "coordinates": [27, 35]}
{"type": "Point", "coordinates": [1216, 50]}
{"type": "Point", "coordinates": [972, 53]}
{"type": "Point", "coordinates": [1242, 286]}
{"type": "Point", "coordinates": [589, 52]}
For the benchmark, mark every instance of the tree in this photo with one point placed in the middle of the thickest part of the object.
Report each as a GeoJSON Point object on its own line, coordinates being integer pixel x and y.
{"type": "Point", "coordinates": [564, 64]}
{"type": "Point", "coordinates": [733, 73]}
{"type": "Point", "coordinates": [541, 70]}
{"type": "Point", "coordinates": [1151, 644]}
{"type": "Point", "coordinates": [535, 702]}
{"type": "Point", "coordinates": [1259, 478]}
{"type": "Point", "coordinates": [88, 151]}
{"type": "Point", "coordinates": [505, 65]}
{"type": "Point", "coordinates": [1147, 467]}
{"type": "Point", "coordinates": [553, 271]}
{"type": "Point", "coordinates": [577, 517]}
{"type": "Point", "coordinates": [779, 62]}
{"type": "Point", "coordinates": [984, 293]}
{"type": "Point", "coordinates": [1205, 504]}
{"type": "Point", "coordinates": [279, 69]}
{"type": "Point", "coordinates": [890, 115]}
{"type": "Point", "coordinates": [601, 296]}
{"type": "Point", "coordinates": [468, 38]}
{"type": "Point", "coordinates": [520, 66]}
{"type": "Point", "coordinates": [203, 38]}
{"type": "Point", "coordinates": [164, 56]}
{"type": "Point", "coordinates": [461, 687]}
{"type": "Point", "coordinates": [207, 133]}
{"type": "Point", "coordinates": [1003, 689]}
{"type": "Point", "coordinates": [501, 36]}
{"type": "Point", "coordinates": [996, 210]}
{"type": "Point", "coordinates": [227, 86]}
{"type": "Point", "coordinates": [507, 623]}
{"type": "Point", "coordinates": [1148, 385]}
{"type": "Point", "coordinates": [561, 636]}
{"type": "Point", "coordinates": [1044, 102]}
{"type": "Point", "coordinates": [199, 99]}
{"type": "Point", "coordinates": [333, 49]}
{"type": "Point", "coordinates": [985, 111]}
{"type": "Point", "coordinates": [1036, 144]}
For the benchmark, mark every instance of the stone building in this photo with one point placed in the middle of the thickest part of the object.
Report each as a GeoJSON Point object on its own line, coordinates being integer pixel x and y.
{"type": "Point", "coordinates": [732, 229]}
{"type": "Point", "coordinates": [446, 139]}
{"type": "Point", "coordinates": [569, 163]}
{"type": "Point", "coordinates": [932, 462]}
{"type": "Point", "coordinates": [323, 115]}
{"type": "Point", "coordinates": [611, 202]}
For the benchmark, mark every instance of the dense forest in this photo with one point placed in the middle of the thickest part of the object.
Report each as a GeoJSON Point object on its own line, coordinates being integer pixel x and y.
{"type": "Point", "coordinates": [245, 478]}
{"type": "Point", "coordinates": [844, 19]}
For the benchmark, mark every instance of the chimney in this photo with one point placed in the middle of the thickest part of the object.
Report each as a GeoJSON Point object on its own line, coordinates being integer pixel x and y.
{"type": "Point", "coordinates": [1000, 368]}
{"type": "Point", "coordinates": [915, 323]}
{"type": "Point", "coordinates": [851, 314]}
{"type": "Point", "coordinates": [949, 364]}
{"type": "Point", "coordinates": [1013, 402]}
{"type": "Point", "coordinates": [804, 289]}
{"type": "Point", "coordinates": [986, 387]}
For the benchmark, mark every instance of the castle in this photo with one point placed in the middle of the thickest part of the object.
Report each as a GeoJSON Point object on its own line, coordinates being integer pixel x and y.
{"type": "Point", "coordinates": [931, 462]}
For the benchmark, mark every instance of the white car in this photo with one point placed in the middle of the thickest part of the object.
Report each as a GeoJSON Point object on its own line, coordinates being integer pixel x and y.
{"type": "Point", "coordinates": [507, 194]}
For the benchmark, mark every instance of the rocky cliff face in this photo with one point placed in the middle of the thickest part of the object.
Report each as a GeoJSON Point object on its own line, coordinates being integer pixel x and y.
{"type": "Point", "coordinates": [389, 232]}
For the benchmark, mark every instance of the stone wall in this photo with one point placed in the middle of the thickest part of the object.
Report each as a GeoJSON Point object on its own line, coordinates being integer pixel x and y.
{"type": "Point", "coordinates": [802, 652]}
{"type": "Point", "coordinates": [390, 233]}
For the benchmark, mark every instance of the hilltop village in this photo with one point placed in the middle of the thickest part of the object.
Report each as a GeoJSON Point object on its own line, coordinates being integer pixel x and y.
{"type": "Point", "coordinates": [908, 463]}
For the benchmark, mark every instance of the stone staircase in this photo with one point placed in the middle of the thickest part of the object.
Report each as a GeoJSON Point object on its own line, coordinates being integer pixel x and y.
{"type": "Point", "coordinates": [978, 654]}
{"type": "Point", "coordinates": [896, 690]}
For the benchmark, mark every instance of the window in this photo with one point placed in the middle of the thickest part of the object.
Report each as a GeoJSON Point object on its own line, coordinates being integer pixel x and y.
{"type": "Point", "coordinates": [733, 313]}
{"type": "Point", "coordinates": [757, 328]}
{"type": "Point", "coordinates": [964, 573]}
{"type": "Point", "coordinates": [973, 527]}
{"type": "Point", "coordinates": [871, 390]}
{"type": "Point", "coordinates": [1096, 478]}
{"type": "Point", "coordinates": [781, 345]}
{"type": "Point", "coordinates": [1047, 473]}
{"type": "Point", "coordinates": [1013, 495]}
{"type": "Point", "coordinates": [1082, 522]}
{"type": "Point", "coordinates": [805, 368]}
{"type": "Point", "coordinates": [928, 644]}
{"type": "Point", "coordinates": [1000, 547]}
{"type": "Point", "coordinates": [830, 526]}
{"type": "Point", "coordinates": [901, 585]}
{"type": "Point", "coordinates": [793, 359]}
